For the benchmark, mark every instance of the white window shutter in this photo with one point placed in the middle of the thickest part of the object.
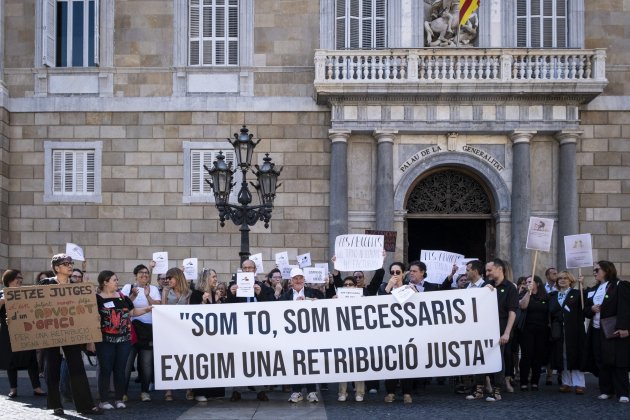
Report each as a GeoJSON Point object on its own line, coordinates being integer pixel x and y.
{"type": "Point", "coordinates": [90, 172]}
{"type": "Point", "coordinates": [68, 172]}
{"type": "Point", "coordinates": [79, 174]}
{"type": "Point", "coordinates": [96, 32]}
{"type": "Point", "coordinates": [340, 42]}
{"type": "Point", "coordinates": [193, 33]}
{"type": "Point", "coordinates": [49, 32]}
{"type": "Point", "coordinates": [232, 47]}
{"type": "Point", "coordinates": [57, 172]}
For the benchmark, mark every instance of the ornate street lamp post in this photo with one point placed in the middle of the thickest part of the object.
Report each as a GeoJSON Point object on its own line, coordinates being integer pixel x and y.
{"type": "Point", "coordinates": [221, 175]}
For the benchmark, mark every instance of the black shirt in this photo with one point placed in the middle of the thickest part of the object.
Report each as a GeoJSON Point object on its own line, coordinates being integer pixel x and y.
{"type": "Point", "coordinates": [507, 301]}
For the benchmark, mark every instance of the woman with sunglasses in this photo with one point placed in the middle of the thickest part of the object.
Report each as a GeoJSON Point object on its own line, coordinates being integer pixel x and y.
{"type": "Point", "coordinates": [608, 307]}
{"type": "Point", "coordinates": [13, 361]}
{"type": "Point", "coordinates": [397, 273]}
{"type": "Point", "coordinates": [567, 333]}
{"type": "Point", "coordinates": [176, 293]}
{"type": "Point", "coordinates": [62, 266]}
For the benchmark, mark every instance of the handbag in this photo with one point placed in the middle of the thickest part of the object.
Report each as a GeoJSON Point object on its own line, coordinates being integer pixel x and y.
{"type": "Point", "coordinates": [143, 333]}
{"type": "Point", "coordinates": [608, 326]}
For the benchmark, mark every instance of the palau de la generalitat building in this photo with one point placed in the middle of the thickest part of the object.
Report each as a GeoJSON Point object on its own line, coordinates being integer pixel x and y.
{"type": "Point", "coordinates": [384, 114]}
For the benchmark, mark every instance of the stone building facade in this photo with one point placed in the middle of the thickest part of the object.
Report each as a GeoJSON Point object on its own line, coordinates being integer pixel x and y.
{"type": "Point", "coordinates": [366, 122]}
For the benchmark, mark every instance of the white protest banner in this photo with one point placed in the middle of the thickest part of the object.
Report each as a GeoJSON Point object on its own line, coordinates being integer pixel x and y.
{"type": "Point", "coordinates": [578, 250]}
{"type": "Point", "coordinates": [257, 259]}
{"type": "Point", "coordinates": [443, 333]}
{"type": "Point", "coordinates": [245, 283]}
{"type": "Point", "coordinates": [325, 267]}
{"type": "Point", "coordinates": [161, 262]}
{"type": "Point", "coordinates": [349, 292]}
{"type": "Point", "coordinates": [304, 260]}
{"type": "Point", "coordinates": [539, 234]}
{"type": "Point", "coordinates": [75, 251]}
{"type": "Point", "coordinates": [359, 252]}
{"type": "Point", "coordinates": [439, 264]}
{"type": "Point", "coordinates": [286, 271]}
{"type": "Point", "coordinates": [314, 275]}
{"type": "Point", "coordinates": [282, 258]}
{"type": "Point", "coordinates": [190, 268]}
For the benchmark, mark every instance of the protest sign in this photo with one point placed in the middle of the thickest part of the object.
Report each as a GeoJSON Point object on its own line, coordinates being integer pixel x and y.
{"type": "Point", "coordinates": [324, 266]}
{"type": "Point", "coordinates": [388, 235]}
{"type": "Point", "coordinates": [245, 283]}
{"type": "Point", "coordinates": [161, 262]}
{"type": "Point", "coordinates": [539, 234]}
{"type": "Point", "coordinates": [304, 260]}
{"type": "Point", "coordinates": [439, 264]}
{"type": "Point", "coordinates": [257, 259]}
{"type": "Point", "coordinates": [190, 268]}
{"type": "Point", "coordinates": [403, 294]}
{"type": "Point", "coordinates": [282, 258]}
{"type": "Point", "coordinates": [286, 271]}
{"type": "Point", "coordinates": [349, 292]}
{"type": "Point", "coordinates": [75, 251]}
{"type": "Point", "coordinates": [443, 333]}
{"type": "Point", "coordinates": [359, 252]}
{"type": "Point", "coordinates": [52, 315]}
{"type": "Point", "coordinates": [578, 250]}
{"type": "Point", "coordinates": [314, 275]}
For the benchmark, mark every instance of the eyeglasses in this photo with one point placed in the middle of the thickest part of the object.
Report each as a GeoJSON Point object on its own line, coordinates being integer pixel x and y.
{"type": "Point", "coordinates": [596, 270]}
{"type": "Point", "coordinates": [348, 285]}
{"type": "Point", "coordinates": [395, 272]}
{"type": "Point", "coordinates": [143, 272]}
{"type": "Point", "coordinates": [76, 276]}
{"type": "Point", "coordinates": [67, 264]}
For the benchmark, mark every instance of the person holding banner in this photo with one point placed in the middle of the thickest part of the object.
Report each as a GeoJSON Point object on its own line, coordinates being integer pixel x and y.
{"type": "Point", "coordinates": [13, 361]}
{"type": "Point", "coordinates": [299, 292]}
{"type": "Point", "coordinates": [177, 293]}
{"type": "Point", "coordinates": [507, 304]}
{"type": "Point", "coordinates": [608, 306]}
{"type": "Point", "coordinates": [568, 337]}
{"type": "Point", "coordinates": [535, 332]}
{"type": "Point", "coordinates": [143, 295]}
{"type": "Point", "coordinates": [397, 272]}
{"type": "Point", "coordinates": [62, 265]}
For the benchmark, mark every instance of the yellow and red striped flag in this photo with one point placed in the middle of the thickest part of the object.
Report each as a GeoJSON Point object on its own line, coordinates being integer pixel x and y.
{"type": "Point", "coordinates": [466, 8]}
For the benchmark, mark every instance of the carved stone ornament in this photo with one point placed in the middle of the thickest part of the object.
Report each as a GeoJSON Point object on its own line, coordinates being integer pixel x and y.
{"type": "Point", "coordinates": [441, 25]}
{"type": "Point", "coordinates": [449, 192]}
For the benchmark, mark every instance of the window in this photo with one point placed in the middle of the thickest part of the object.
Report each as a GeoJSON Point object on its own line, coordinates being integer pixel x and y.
{"type": "Point", "coordinates": [196, 189]}
{"type": "Point", "coordinates": [213, 32]}
{"type": "Point", "coordinates": [541, 23]}
{"type": "Point", "coordinates": [70, 33]}
{"type": "Point", "coordinates": [73, 171]}
{"type": "Point", "coordinates": [360, 24]}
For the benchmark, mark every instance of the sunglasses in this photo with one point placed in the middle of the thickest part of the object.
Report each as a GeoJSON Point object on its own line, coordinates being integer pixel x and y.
{"type": "Point", "coordinates": [348, 285]}
{"type": "Point", "coordinates": [67, 264]}
{"type": "Point", "coordinates": [596, 270]}
{"type": "Point", "coordinates": [395, 272]}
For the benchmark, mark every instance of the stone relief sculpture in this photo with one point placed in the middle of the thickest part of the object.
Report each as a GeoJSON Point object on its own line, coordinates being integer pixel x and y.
{"type": "Point", "coordinates": [441, 25]}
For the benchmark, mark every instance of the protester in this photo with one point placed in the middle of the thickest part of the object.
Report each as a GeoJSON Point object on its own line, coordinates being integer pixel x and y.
{"type": "Point", "coordinates": [568, 338]}
{"type": "Point", "coordinates": [359, 386]}
{"type": "Point", "coordinates": [116, 311]}
{"type": "Point", "coordinates": [205, 293]}
{"type": "Point", "coordinates": [177, 293]}
{"type": "Point", "coordinates": [143, 295]}
{"type": "Point", "coordinates": [299, 292]}
{"type": "Point", "coordinates": [608, 307]}
{"type": "Point", "coordinates": [62, 265]}
{"type": "Point", "coordinates": [10, 360]}
{"type": "Point", "coordinates": [534, 333]}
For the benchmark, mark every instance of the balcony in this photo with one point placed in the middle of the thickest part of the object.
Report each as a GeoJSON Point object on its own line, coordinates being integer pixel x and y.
{"type": "Point", "coordinates": [547, 75]}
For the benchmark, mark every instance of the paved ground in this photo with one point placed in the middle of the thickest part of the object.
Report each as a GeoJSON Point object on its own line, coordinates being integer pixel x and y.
{"type": "Point", "coordinates": [436, 401]}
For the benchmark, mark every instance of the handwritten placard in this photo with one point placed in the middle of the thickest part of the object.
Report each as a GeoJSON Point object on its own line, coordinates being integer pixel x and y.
{"type": "Point", "coordinates": [359, 252]}
{"type": "Point", "coordinates": [161, 262]}
{"type": "Point", "coordinates": [75, 251]}
{"type": "Point", "coordinates": [314, 275]}
{"type": "Point", "coordinates": [190, 268]}
{"type": "Point", "coordinates": [439, 264]}
{"type": "Point", "coordinates": [304, 260]}
{"type": "Point", "coordinates": [349, 292]}
{"type": "Point", "coordinates": [51, 316]}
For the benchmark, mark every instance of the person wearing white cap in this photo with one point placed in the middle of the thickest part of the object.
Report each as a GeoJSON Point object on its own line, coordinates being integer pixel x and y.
{"type": "Point", "coordinates": [299, 292]}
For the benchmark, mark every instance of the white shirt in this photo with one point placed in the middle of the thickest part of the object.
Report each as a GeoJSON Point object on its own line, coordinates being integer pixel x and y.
{"type": "Point", "coordinates": [141, 301]}
{"type": "Point", "coordinates": [478, 283]}
{"type": "Point", "coordinates": [297, 295]}
{"type": "Point", "coordinates": [598, 299]}
{"type": "Point", "coordinates": [549, 288]}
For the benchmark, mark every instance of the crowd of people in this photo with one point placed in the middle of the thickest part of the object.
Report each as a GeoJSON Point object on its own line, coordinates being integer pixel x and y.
{"type": "Point", "coordinates": [553, 325]}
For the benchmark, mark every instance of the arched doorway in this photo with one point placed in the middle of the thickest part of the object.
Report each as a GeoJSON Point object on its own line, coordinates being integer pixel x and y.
{"type": "Point", "coordinates": [451, 210]}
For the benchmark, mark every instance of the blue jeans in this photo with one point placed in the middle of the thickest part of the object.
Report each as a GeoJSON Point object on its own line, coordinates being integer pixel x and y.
{"type": "Point", "coordinates": [145, 367]}
{"type": "Point", "coordinates": [112, 357]}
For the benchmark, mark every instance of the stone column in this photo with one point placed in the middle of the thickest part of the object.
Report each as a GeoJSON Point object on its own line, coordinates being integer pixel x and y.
{"type": "Point", "coordinates": [384, 206]}
{"type": "Point", "coordinates": [567, 190]}
{"type": "Point", "coordinates": [521, 195]}
{"type": "Point", "coordinates": [338, 221]}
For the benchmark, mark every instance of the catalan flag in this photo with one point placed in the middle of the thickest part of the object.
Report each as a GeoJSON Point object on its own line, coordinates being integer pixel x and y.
{"type": "Point", "coordinates": [466, 8]}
